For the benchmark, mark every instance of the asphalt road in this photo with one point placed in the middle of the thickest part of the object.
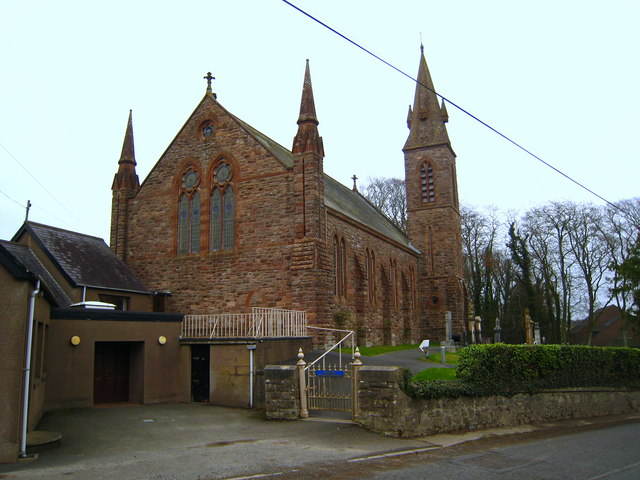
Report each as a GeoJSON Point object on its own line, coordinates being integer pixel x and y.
{"type": "Point", "coordinates": [611, 453]}
{"type": "Point", "coordinates": [597, 449]}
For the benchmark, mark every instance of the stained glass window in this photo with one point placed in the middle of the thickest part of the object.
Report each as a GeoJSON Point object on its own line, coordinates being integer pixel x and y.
{"type": "Point", "coordinates": [343, 268]}
{"type": "Point", "coordinates": [183, 223]}
{"type": "Point", "coordinates": [222, 208]}
{"type": "Point", "coordinates": [371, 276]}
{"type": "Point", "coordinates": [227, 226]}
{"type": "Point", "coordinates": [189, 213]}
{"type": "Point", "coordinates": [195, 223]}
{"type": "Point", "coordinates": [216, 215]}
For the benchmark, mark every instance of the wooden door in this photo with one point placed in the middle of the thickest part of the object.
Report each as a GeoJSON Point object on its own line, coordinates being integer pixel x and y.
{"type": "Point", "coordinates": [111, 372]}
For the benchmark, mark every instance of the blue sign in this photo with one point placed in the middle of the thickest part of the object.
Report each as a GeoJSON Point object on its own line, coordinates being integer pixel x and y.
{"type": "Point", "coordinates": [329, 373]}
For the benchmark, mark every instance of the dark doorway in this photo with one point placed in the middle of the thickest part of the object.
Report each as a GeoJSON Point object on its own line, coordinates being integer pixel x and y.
{"type": "Point", "coordinates": [111, 372]}
{"type": "Point", "coordinates": [200, 373]}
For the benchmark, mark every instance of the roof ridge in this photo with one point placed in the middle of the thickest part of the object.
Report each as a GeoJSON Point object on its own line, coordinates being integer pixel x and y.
{"type": "Point", "coordinates": [50, 227]}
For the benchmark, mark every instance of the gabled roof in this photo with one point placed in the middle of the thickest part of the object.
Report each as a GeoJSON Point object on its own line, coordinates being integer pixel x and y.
{"type": "Point", "coordinates": [21, 262]}
{"type": "Point", "coordinates": [355, 206]}
{"type": "Point", "coordinates": [337, 196]}
{"type": "Point", "coordinates": [83, 259]}
{"type": "Point", "coordinates": [280, 153]}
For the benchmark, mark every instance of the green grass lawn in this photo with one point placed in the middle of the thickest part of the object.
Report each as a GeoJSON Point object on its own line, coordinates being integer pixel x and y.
{"type": "Point", "coordinates": [435, 374]}
{"type": "Point", "coordinates": [369, 351]}
{"type": "Point", "coordinates": [450, 358]}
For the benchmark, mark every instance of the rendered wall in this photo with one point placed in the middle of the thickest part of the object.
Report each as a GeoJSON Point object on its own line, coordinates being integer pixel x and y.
{"type": "Point", "coordinates": [162, 369]}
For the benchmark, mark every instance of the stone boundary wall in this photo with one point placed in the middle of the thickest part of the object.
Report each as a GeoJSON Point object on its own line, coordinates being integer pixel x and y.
{"type": "Point", "coordinates": [386, 409]}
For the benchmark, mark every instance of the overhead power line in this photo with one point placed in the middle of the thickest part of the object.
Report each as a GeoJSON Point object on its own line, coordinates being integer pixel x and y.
{"type": "Point", "coordinates": [39, 208]}
{"type": "Point", "coordinates": [463, 110]}
{"type": "Point", "coordinates": [43, 187]}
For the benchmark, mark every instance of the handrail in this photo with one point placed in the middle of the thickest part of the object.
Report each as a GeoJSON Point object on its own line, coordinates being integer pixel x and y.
{"type": "Point", "coordinates": [349, 333]}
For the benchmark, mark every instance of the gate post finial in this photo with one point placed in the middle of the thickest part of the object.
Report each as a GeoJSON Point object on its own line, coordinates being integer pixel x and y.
{"type": "Point", "coordinates": [304, 411]}
{"type": "Point", "coordinates": [357, 356]}
{"type": "Point", "coordinates": [357, 363]}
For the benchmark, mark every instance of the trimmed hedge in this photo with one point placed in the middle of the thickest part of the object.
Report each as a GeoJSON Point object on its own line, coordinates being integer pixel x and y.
{"type": "Point", "coordinates": [501, 369]}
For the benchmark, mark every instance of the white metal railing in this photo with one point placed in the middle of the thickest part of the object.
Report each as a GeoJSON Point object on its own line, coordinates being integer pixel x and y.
{"type": "Point", "coordinates": [261, 322]}
{"type": "Point", "coordinates": [347, 334]}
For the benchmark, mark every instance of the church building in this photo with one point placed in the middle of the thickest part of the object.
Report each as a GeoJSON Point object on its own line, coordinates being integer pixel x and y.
{"type": "Point", "coordinates": [228, 219]}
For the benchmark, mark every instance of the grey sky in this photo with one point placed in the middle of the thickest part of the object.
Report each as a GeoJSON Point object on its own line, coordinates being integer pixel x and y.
{"type": "Point", "coordinates": [560, 77]}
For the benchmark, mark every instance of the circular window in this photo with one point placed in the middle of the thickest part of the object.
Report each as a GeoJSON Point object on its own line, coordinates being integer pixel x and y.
{"type": "Point", "coordinates": [222, 173]}
{"type": "Point", "coordinates": [207, 131]}
{"type": "Point", "coordinates": [190, 180]}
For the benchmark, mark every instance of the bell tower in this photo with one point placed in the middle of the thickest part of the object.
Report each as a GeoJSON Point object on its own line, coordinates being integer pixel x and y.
{"type": "Point", "coordinates": [433, 215]}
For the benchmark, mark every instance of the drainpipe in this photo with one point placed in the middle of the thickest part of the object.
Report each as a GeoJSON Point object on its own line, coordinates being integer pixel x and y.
{"type": "Point", "coordinates": [251, 348]}
{"type": "Point", "coordinates": [27, 371]}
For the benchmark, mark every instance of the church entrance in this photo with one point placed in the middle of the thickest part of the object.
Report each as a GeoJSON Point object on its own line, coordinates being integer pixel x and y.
{"type": "Point", "coordinates": [200, 358]}
{"type": "Point", "coordinates": [111, 372]}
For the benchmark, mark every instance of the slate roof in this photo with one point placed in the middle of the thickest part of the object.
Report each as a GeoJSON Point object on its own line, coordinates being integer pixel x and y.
{"type": "Point", "coordinates": [83, 259]}
{"type": "Point", "coordinates": [283, 155]}
{"type": "Point", "coordinates": [355, 206]}
{"type": "Point", "coordinates": [25, 258]}
{"type": "Point", "coordinates": [337, 196]}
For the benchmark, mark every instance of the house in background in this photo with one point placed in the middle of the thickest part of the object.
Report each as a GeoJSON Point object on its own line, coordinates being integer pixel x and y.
{"type": "Point", "coordinates": [607, 330]}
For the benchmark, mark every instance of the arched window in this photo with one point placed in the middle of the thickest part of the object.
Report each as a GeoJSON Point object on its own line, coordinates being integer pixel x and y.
{"type": "Point", "coordinates": [412, 287]}
{"type": "Point", "coordinates": [189, 213]}
{"type": "Point", "coordinates": [427, 186]}
{"type": "Point", "coordinates": [393, 276]}
{"type": "Point", "coordinates": [222, 208]}
{"type": "Point", "coordinates": [370, 269]}
{"type": "Point", "coordinates": [339, 267]}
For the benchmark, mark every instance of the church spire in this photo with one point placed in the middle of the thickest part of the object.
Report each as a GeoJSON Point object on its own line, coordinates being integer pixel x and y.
{"type": "Point", "coordinates": [307, 138]}
{"type": "Point", "coordinates": [126, 178]}
{"type": "Point", "coordinates": [426, 119]}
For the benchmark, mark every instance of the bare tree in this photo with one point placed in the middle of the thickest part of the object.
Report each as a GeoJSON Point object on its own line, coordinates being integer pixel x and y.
{"type": "Point", "coordinates": [389, 195]}
{"type": "Point", "coordinates": [547, 228]}
{"type": "Point", "coordinates": [590, 254]}
{"type": "Point", "coordinates": [479, 233]}
{"type": "Point", "coordinates": [620, 229]}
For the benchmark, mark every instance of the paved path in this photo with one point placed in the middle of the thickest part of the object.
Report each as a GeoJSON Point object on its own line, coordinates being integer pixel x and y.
{"type": "Point", "coordinates": [192, 441]}
{"type": "Point", "coordinates": [412, 358]}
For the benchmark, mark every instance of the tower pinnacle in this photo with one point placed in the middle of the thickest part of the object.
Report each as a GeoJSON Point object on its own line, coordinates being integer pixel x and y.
{"type": "Point", "coordinates": [307, 138]}
{"type": "Point", "coordinates": [425, 119]}
{"type": "Point", "coordinates": [126, 177]}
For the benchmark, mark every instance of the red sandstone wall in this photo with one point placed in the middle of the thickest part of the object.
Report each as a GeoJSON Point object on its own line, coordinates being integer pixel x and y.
{"type": "Point", "coordinates": [256, 272]}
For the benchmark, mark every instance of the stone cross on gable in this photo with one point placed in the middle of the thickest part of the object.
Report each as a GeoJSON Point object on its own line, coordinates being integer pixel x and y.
{"type": "Point", "coordinates": [208, 78]}
{"type": "Point", "coordinates": [355, 187]}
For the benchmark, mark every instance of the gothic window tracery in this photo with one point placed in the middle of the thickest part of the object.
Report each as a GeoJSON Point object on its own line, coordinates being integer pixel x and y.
{"type": "Point", "coordinates": [222, 208]}
{"type": "Point", "coordinates": [393, 274]}
{"type": "Point", "coordinates": [339, 267]}
{"type": "Point", "coordinates": [370, 268]}
{"type": "Point", "coordinates": [189, 212]}
{"type": "Point", "coordinates": [427, 185]}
